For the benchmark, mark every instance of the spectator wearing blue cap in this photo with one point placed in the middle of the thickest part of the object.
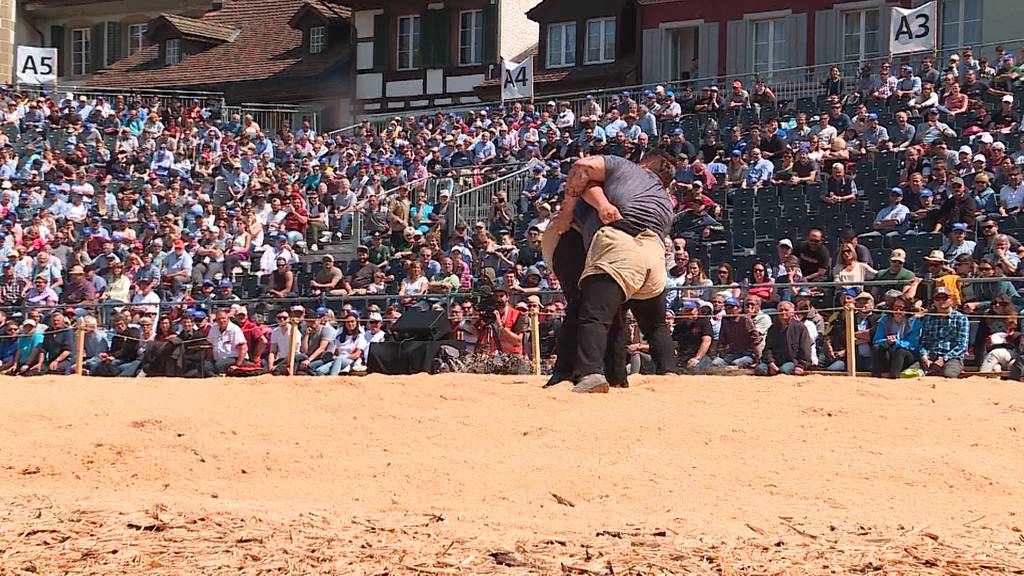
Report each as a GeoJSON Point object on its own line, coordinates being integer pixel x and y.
{"type": "Point", "coordinates": [893, 219]}
{"type": "Point", "coordinates": [693, 335]}
{"type": "Point", "coordinates": [279, 249]}
{"type": "Point", "coordinates": [922, 219]}
{"type": "Point", "coordinates": [876, 137]}
{"type": "Point", "coordinates": [738, 338]}
{"type": "Point", "coordinates": [533, 189]}
{"type": "Point", "coordinates": [909, 85]}
{"type": "Point", "coordinates": [679, 145]}
{"type": "Point", "coordinates": [956, 243]}
{"type": "Point", "coordinates": [670, 111]}
{"type": "Point", "coordinates": [736, 169]}
{"type": "Point", "coordinates": [226, 291]}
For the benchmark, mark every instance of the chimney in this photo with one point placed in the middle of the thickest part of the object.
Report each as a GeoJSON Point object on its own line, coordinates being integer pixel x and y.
{"type": "Point", "coordinates": [217, 5]}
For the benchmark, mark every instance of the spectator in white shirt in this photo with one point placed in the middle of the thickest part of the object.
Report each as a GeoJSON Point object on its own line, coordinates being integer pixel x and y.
{"type": "Point", "coordinates": [1011, 196]}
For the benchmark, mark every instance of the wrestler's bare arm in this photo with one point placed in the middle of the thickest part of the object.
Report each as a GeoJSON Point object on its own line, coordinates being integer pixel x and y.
{"type": "Point", "coordinates": [584, 173]}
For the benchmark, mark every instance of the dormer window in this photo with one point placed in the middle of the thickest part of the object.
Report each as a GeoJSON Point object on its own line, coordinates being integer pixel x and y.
{"type": "Point", "coordinates": [172, 51]}
{"type": "Point", "coordinates": [317, 39]}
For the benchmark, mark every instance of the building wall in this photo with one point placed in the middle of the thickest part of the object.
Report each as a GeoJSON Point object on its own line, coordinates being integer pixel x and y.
{"type": "Point", "coordinates": [813, 31]}
{"type": "Point", "coordinates": [380, 87]}
{"type": "Point", "coordinates": [7, 39]}
{"type": "Point", "coordinates": [1000, 21]}
{"type": "Point", "coordinates": [517, 31]}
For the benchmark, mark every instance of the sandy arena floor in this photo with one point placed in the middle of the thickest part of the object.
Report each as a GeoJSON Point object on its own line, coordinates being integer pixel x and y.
{"type": "Point", "coordinates": [479, 475]}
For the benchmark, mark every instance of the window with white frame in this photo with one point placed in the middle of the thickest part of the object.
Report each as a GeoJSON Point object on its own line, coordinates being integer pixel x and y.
{"type": "Point", "coordinates": [961, 23]}
{"type": "Point", "coordinates": [860, 34]}
{"type": "Point", "coordinates": [136, 37]}
{"type": "Point", "coordinates": [408, 42]}
{"type": "Point", "coordinates": [471, 42]}
{"type": "Point", "coordinates": [600, 41]}
{"type": "Point", "coordinates": [769, 45]}
{"type": "Point", "coordinates": [172, 51]}
{"type": "Point", "coordinates": [317, 39]}
{"type": "Point", "coordinates": [561, 44]}
{"type": "Point", "coordinates": [80, 51]}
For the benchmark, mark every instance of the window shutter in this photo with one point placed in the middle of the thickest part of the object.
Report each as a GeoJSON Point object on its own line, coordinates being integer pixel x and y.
{"type": "Point", "coordinates": [380, 42]}
{"type": "Point", "coordinates": [827, 36]}
{"type": "Point", "coordinates": [429, 38]}
{"type": "Point", "coordinates": [57, 41]}
{"type": "Point", "coordinates": [707, 50]}
{"type": "Point", "coordinates": [442, 40]}
{"type": "Point", "coordinates": [885, 28]}
{"type": "Point", "coordinates": [796, 27]}
{"type": "Point", "coordinates": [490, 34]}
{"type": "Point", "coordinates": [97, 40]}
{"type": "Point", "coordinates": [114, 37]}
{"type": "Point", "coordinates": [738, 45]}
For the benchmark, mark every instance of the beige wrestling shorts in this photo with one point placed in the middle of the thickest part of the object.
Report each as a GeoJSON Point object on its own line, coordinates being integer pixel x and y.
{"type": "Point", "coordinates": [637, 264]}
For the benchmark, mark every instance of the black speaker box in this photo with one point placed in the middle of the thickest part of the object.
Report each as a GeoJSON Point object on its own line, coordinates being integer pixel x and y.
{"type": "Point", "coordinates": [422, 325]}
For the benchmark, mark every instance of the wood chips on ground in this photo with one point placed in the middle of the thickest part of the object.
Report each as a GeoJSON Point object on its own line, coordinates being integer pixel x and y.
{"type": "Point", "coordinates": [39, 537]}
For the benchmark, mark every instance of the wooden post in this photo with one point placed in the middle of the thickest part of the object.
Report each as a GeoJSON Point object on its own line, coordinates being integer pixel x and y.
{"type": "Point", "coordinates": [535, 337]}
{"type": "Point", "coordinates": [79, 346]}
{"type": "Point", "coordinates": [851, 344]}
{"type": "Point", "coordinates": [292, 344]}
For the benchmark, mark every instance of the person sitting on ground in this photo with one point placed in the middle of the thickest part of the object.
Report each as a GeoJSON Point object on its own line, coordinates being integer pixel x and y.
{"type": "Point", "coordinates": [896, 340]}
{"type": "Point", "coordinates": [944, 338]}
{"type": "Point", "coordinates": [738, 339]}
{"type": "Point", "coordinates": [28, 358]}
{"type": "Point", "coordinates": [995, 340]}
{"type": "Point", "coordinates": [349, 348]}
{"type": "Point", "coordinates": [283, 339]}
{"type": "Point", "coordinates": [864, 330]}
{"type": "Point", "coordinates": [693, 335]}
{"type": "Point", "coordinates": [788, 345]}
{"type": "Point", "coordinates": [58, 345]}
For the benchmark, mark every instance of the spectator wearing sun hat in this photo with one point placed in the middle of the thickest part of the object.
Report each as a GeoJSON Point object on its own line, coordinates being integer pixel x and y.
{"type": "Point", "coordinates": [944, 337]}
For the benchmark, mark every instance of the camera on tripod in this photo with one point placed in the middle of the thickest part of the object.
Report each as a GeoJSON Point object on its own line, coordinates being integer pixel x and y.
{"type": "Point", "coordinates": [486, 303]}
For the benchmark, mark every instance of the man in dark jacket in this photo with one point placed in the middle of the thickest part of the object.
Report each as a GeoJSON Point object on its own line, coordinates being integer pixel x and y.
{"type": "Point", "coordinates": [124, 348]}
{"type": "Point", "coordinates": [788, 345]}
{"type": "Point", "coordinates": [738, 338]}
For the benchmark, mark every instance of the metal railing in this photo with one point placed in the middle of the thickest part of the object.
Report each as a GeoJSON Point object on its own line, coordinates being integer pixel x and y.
{"type": "Point", "coordinates": [474, 204]}
{"type": "Point", "coordinates": [166, 97]}
{"type": "Point", "coordinates": [273, 117]}
{"type": "Point", "coordinates": [786, 84]}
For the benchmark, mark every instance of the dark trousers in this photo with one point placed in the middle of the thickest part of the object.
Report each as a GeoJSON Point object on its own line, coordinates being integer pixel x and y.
{"type": "Point", "coordinates": [567, 262]}
{"type": "Point", "coordinates": [895, 359]}
{"type": "Point", "coordinates": [601, 300]}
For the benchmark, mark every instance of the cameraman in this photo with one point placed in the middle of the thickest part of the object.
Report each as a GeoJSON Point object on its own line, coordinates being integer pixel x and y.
{"type": "Point", "coordinates": [505, 322]}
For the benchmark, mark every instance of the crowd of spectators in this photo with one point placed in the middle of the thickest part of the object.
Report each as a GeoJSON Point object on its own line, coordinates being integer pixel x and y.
{"type": "Point", "coordinates": [190, 242]}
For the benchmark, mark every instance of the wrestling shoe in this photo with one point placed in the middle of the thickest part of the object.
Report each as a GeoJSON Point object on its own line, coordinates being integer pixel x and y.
{"type": "Point", "coordinates": [591, 384]}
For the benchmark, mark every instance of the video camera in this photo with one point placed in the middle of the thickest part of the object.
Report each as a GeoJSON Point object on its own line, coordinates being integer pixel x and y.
{"type": "Point", "coordinates": [486, 303]}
